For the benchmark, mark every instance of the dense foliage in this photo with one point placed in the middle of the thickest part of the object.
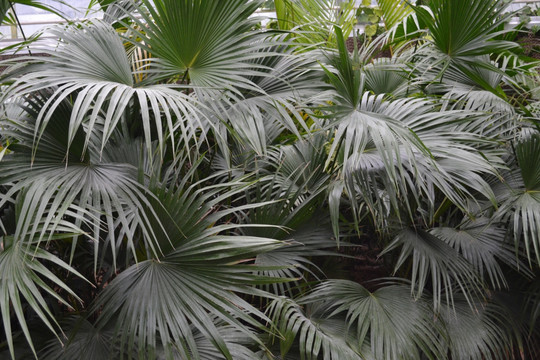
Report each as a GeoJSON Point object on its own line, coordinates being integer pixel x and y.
{"type": "Point", "coordinates": [178, 182]}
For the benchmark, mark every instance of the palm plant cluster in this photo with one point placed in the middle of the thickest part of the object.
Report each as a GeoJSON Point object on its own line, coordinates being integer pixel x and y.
{"type": "Point", "coordinates": [178, 183]}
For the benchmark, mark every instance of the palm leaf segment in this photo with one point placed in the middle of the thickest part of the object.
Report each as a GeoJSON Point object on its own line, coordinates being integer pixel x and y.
{"type": "Point", "coordinates": [94, 192]}
{"type": "Point", "coordinates": [520, 198]}
{"type": "Point", "coordinates": [465, 28]}
{"type": "Point", "coordinates": [389, 324]}
{"type": "Point", "coordinates": [91, 62]}
{"type": "Point", "coordinates": [394, 11]}
{"type": "Point", "coordinates": [386, 146]}
{"type": "Point", "coordinates": [489, 331]}
{"type": "Point", "coordinates": [461, 34]}
{"type": "Point", "coordinates": [308, 335]}
{"type": "Point", "coordinates": [385, 324]}
{"type": "Point", "coordinates": [194, 284]}
{"type": "Point", "coordinates": [207, 42]}
{"type": "Point", "coordinates": [313, 20]}
{"type": "Point", "coordinates": [27, 279]}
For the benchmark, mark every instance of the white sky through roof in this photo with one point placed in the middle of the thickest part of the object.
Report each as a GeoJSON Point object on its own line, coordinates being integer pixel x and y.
{"type": "Point", "coordinates": [34, 19]}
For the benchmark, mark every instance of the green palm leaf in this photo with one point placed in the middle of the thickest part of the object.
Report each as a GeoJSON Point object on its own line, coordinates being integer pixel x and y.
{"type": "Point", "coordinates": [84, 342]}
{"type": "Point", "coordinates": [27, 280]}
{"type": "Point", "coordinates": [395, 325]}
{"type": "Point", "coordinates": [482, 245]}
{"type": "Point", "coordinates": [313, 20]}
{"type": "Point", "coordinates": [315, 335]}
{"type": "Point", "coordinates": [385, 76]}
{"type": "Point", "coordinates": [205, 42]}
{"type": "Point", "coordinates": [394, 11]}
{"type": "Point", "coordinates": [188, 287]}
{"type": "Point", "coordinates": [520, 197]}
{"type": "Point", "coordinates": [464, 28]}
{"type": "Point", "coordinates": [91, 64]}
{"type": "Point", "coordinates": [91, 192]}
{"type": "Point", "coordinates": [488, 331]}
{"type": "Point", "coordinates": [198, 277]}
{"type": "Point", "coordinates": [392, 158]}
{"type": "Point", "coordinates": [435, 266]}
{"type": "Point", "coordinates": [282, 83]}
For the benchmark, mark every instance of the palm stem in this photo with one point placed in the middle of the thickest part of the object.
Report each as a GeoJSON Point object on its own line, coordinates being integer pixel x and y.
{"type": "Point", "coordinates": [19, 25]}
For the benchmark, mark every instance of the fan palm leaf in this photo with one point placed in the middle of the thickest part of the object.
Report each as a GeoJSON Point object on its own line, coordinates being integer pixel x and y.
{"type": "Point", "coordinates": [283, 82]}
{"type": "Point", "coordinates": [385, 76]}
{"type": "Point", "coordinates": [482, 245]}
{"type": "Point", "coordinates": [412, 328]}
{"type": "Point", "coordinates": [90, 63]}
{"type": "Point", "coordinates": [463, 28]}
{"type": "Point", "coordinates": [101, 191]}
{"type": "Point", "coordinates": [477, 334]}
{"type": "Point", "coordinates": [313, 20]}
{"type": "Point", "coordinates": [520, 198]}
{"type": "Point", "coordinates": [84, 342]}
{"type": "Point", "coordinates": [198, 277]}
{"type": "Point", "coordinates": [205, 42]}
{"type": "Point", "coordinates": [315, 336]}
{"type": "Point", "coordinates": [394, 11]}
{"type": "Point", "coordinates": [435, 266]}
{"type": "Point", "coordinates": [27, 279]}
{"type": "Point", "coordinates": [387, 145]}
{"type": "Point", "coordinates": [193, 286]}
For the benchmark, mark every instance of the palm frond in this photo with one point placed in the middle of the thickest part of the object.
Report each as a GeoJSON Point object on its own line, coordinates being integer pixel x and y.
{"type": "Point", "coordinates": [116, 11]}
{"type": "Point", "coordinates": [385, 76]}
{"type": "Point", "coordinates": [464, 28]}
{"type": "Point", "coordinates": [482, 244]}
{"type": "Point", "coordinates": [194, 284]}
{"type": "Point", "coordinates": [83, 342]}
{"type": "Point", "coordinates": [520, 197]}
{"type": "Point", "coordinates": [90, 63]}
{"type": "Point", "coordinates": [387, 145]}
{"type": "Point", "coordinates": [208, 43]}
{"type": "Point", "coordinates": [91, 192]}
{"type": "Point", "coordinates": [396, 325]}
{"type": "Point", "coordinates": [394, 11]}
{"type": "Point", "coordinates": [313, 20]}
{"type": "Point", "coordinates": [436, 267]}
{"type": "Point", "coordinates": [477, 334]}
{"type": "Point", "coordinates": [28, 281]}
{"type": "Point", "coordinates": [277, 102]}
{"type": "Point", "coordinates": [315, 335]}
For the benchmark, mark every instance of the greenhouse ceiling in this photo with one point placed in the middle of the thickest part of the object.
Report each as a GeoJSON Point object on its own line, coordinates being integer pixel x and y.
{"type": "Point", "coordinates": [34, 19]}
